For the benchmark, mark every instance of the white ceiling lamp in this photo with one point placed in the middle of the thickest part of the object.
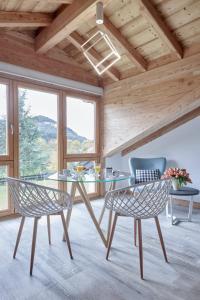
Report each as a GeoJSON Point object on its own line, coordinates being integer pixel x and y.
{"type": "Point", "coordinates": [99, 13]}
{"type": "Point", "coordinates": [111, 56]}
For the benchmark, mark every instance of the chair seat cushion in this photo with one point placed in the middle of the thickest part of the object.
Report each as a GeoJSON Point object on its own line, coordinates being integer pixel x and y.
{"type": "Point", "coordinates": [147, 175]}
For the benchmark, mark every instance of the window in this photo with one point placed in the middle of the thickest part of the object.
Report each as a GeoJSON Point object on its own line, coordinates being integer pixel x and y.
{"type": "Point", "coordinates": [3, 120]}
{"type": "Point", "coordinates": [80, 131]}
{"type": "Point", "coordinates": [6, 145]}
{"type": "Point", "coordinates": [44, 130]}
{"type": "Point", "coordinates": [81, 135]}
{"type": "Point", "coordinates": [4, 203]}
{"type": "Point", "coordinates": [38, 146]}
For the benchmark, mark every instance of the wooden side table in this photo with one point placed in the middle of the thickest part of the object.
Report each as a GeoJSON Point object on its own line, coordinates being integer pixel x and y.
{"type": "Point", "coordinates": [185, 192]}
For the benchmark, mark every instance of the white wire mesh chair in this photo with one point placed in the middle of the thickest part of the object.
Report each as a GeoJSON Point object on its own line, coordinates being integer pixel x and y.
{"type": "Point", "coordinates": [141, 201]}
{"type": "Point", "coordinates": [33, 200]}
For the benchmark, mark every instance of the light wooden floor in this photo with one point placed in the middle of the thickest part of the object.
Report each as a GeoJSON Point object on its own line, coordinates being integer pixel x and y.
{"type": "Point", "coordinates": [90, 276]}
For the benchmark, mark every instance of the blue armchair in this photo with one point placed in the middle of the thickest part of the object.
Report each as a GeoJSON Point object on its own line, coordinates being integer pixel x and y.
{"type": "Point", "coordinates": [146, 164]}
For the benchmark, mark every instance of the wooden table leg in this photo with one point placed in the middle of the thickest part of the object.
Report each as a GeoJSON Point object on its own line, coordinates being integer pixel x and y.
{"type": "Point", "coordinates": [81, 188]}
{"type": "Point", "coordinates": [112, 187]}
{"type": "Point", "coordinates": [69, 211]}
{"type": "Point", "coordinates": [104, 207]}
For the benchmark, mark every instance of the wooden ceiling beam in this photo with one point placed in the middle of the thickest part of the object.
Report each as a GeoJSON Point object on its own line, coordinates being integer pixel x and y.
{"type": "Point", "coordinates": [152, 15]}
{"type": "Point", "coordinates": [23, 54]}
{"type": "Point", "coordinates": [24, 19]}
{"type": "Point", "coordinates": [130, 51]}
{"type": "Point", "coordinates": [77, 40]}
{"type": "Point", "coordinates": [60, 1]}
{"type": "Point", "coordinates": [65, 23]}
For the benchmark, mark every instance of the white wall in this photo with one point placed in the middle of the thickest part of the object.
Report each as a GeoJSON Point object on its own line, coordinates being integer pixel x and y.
{"type": "Point", "coordinates": [181, 147]}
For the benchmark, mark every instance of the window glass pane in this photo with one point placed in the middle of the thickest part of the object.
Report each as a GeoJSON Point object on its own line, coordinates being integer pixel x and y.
{"type": "Point", "coordinates": [90, 187]}
{"type": "Point", "coordinates": [3, 188]}
{"type": "Point", "coordinates": [37, 134]}
{"type": "Point", "coordinates": [3, 120]}
{"type": "Point", "coordinates": [80, 126]}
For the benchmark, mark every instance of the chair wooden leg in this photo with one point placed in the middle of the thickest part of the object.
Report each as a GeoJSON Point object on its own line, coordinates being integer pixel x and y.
{"type": "Point", "coordinates": [161, 238]}
{"type": "Point", "coordinates": [19, 236]}
{"type": "Point", "coordinates": [33, 244]}
{"type": "Point", "coordinates": [135, 232]}
{"type": "Point", "coordinates": [111, 235]}
{"type": "Point", "coordinates": [140, 247]}
{"type": "Point", "coordinates": [66, 234]}
{"type": "Point", "coordinates": [68, 217]}
{"type": "Point", "coordinates": [49, 229]}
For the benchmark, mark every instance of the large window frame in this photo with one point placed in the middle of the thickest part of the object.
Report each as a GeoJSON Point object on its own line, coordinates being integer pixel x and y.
{"type": "Point", "coordinates": [12, 158]}
{"type": "Point", "coordinates": [95, 156]}
{"type": "Point", "coordinates": [92, 99]}
{"type": "Point", "coordinates": [39, 88]}
{"type": "Point", "coordinates": [7, 159]}
{"type": "Point", "coordinates": [9, 155]}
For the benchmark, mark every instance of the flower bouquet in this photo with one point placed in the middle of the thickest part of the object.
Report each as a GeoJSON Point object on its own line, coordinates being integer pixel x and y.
{"type": "Point", "coordinates": [179, 177]}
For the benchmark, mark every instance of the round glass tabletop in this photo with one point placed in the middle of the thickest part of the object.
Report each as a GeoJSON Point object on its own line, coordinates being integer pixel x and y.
{"type": "Point", "coordinates": [86, 177]}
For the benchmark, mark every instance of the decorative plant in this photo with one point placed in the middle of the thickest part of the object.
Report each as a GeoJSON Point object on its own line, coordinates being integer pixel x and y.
{"type": "Point", "coordinates": [181, 176]}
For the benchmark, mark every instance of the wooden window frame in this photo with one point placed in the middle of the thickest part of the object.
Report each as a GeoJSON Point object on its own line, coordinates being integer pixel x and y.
{"type": "Point", "coordinates": [9, 155]}
{"type": "Point", "coordinates": [96, 156]}
{"type": "Point", "coordinates": [36, 87]}
{"type": "Point", "coordinates": [12, 159]}
{"type": "Point", "coordinates": [96, 101]}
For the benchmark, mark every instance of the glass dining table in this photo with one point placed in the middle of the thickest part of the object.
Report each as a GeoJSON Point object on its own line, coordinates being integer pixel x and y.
{"type": "Point", "coordinates": [79, 182]}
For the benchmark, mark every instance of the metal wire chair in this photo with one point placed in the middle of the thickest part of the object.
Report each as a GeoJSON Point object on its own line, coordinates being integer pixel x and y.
{"type": "Point", "coordinates": [33, 200]}
{"type": "Point", "coordinates": [141, 201]}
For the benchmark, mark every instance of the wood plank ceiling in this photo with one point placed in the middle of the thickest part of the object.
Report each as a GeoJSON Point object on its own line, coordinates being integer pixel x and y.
{"type": "Point", "coordinates": [147, 34]}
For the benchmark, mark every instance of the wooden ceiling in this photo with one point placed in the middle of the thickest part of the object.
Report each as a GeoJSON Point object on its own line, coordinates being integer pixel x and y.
{"type": "Point", "coordinates": [146, 33]}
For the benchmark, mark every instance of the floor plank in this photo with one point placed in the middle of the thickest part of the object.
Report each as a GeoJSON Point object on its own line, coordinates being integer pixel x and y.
{"type": "Point", "coordinates": [89, 276]}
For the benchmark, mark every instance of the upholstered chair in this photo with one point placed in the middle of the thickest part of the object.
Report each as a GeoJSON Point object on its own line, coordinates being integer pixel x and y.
{"type": "Point", "coordinates": [146, 164]}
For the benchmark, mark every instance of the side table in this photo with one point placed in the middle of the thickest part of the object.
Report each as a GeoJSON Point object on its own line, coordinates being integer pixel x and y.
{"type": "Point", "coordinates": [185, 192]}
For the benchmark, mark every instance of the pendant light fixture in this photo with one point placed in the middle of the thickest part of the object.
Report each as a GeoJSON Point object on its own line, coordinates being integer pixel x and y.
{"type": "Point", "coordinates": [100, 38]}
{"type": "Point", "coordinates": [99, 13]}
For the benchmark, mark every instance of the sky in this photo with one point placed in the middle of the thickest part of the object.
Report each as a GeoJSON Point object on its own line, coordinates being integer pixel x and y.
{"type": "Point", "coordinates": [80, 114]}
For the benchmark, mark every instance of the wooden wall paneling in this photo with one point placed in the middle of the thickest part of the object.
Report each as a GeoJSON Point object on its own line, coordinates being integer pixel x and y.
{"type": "Point", "coordinates": [170, 7]}
{"type": "Point", "coordinates": [24, 55]}
{"type": "Point", "coordinates": [127, 12]}
{"type": "Point", "coordinates": [134, 27]}
{"type": "Point", "coordinates": [143, 37]}
{"type": "Point", "coordinates": [163, 130]}
{"type": "Point", "coordinates": [65, 23]}
{"type": "Point", "coordinates": [149, 11]}
{"type": "Point", "coordinates": [137, 107]}
{"type": "Point", "coordinates": [113, 6]}
{"type": "Point", "coordinates": [154, 49]}
{"type": "Point", "coordinates": [184, 16]}
{"type": "Point", "coordinates": [130, 51]}
{"type": "Point", "coordinates": [24, 19]}
{"type": "Point", "coordinates": [191, 41]}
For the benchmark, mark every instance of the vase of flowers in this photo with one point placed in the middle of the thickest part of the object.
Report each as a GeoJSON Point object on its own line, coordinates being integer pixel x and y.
{"type": "Point", "coordinates": [179, 177]}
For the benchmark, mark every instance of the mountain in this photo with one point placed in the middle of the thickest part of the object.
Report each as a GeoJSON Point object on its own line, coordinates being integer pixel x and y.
{"type": "Point", "coordinates": [48, 130]}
